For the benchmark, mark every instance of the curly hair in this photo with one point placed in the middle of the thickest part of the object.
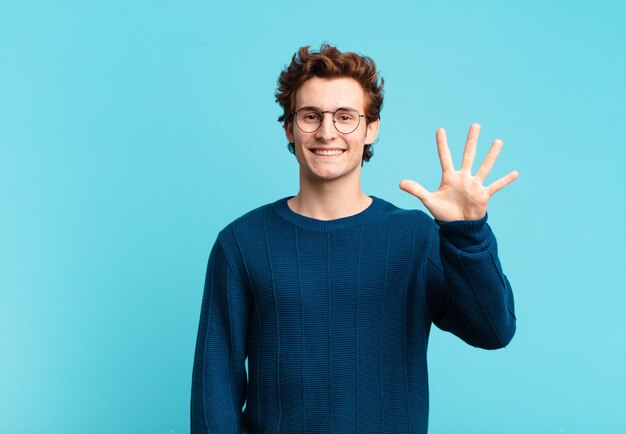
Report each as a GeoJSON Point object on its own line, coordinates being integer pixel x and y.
{"type": "Point", "coordinates": [329, 62]}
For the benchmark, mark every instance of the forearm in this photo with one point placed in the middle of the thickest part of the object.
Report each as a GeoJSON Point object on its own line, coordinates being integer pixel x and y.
{"type": "Point", "coordinates": [219, 379]}
{"type": "Point", "coordinates": [480, 299]}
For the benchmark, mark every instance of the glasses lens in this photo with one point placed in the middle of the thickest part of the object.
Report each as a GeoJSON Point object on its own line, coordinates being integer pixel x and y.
{"type": "Point", "coordinates": [346, 120]}
{"type": "Point", "coordinates": [308, 120]}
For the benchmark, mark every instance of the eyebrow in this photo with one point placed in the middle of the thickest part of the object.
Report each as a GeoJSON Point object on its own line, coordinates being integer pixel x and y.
{"type": "Point", "coordinates": [308, 107]}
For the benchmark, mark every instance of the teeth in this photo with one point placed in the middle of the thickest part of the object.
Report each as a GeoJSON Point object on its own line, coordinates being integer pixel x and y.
{"type": "Point", "coordinates": [328, 151]}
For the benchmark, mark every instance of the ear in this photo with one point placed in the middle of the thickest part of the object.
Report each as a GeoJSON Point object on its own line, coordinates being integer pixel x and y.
{"type": "Point", "coordinates": [289, 132]}
{"type": "Point", "coordinates": [372, 131]}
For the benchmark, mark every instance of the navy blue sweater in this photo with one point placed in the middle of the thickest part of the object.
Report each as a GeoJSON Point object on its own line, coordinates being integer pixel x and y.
{"type": "Point", "coordinates": [334, 318]}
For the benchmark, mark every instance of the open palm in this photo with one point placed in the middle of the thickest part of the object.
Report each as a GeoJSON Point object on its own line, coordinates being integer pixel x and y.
{"type": "Point", "coordinates": [461, 195]}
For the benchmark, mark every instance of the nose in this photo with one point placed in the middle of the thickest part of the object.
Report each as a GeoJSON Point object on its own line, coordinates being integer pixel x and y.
{"type": "Point", "coordinates": [327, 130]}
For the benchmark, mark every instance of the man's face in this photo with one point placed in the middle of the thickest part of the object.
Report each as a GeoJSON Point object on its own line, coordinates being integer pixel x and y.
{"type": "Point", "coordinates": [327, 154]}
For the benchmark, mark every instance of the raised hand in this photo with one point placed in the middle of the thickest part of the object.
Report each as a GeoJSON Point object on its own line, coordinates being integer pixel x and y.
{"type": "Point", "coordinates": [461, 196]}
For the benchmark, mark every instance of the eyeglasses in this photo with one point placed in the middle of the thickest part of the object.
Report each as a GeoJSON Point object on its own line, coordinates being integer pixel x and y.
{"type": "Point", "coordinates": [310, 119]}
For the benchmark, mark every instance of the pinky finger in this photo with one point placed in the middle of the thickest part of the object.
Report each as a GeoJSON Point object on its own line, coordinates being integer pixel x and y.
{"type": "Point", "coordinates": [498, 185]}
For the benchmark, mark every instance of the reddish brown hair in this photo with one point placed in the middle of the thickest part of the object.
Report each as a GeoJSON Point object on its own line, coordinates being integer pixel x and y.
{"type": "Point", "coordinates": [329, 62]}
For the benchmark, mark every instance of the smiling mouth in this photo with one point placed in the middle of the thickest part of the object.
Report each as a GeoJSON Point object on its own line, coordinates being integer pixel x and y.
{"type": "Point", "coordinates": [328, 152]}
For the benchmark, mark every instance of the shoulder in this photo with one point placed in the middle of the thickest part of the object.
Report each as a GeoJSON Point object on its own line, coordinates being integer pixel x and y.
{"type": "Point", "coordinates": [244, 234]}
{"type": "Point", "coordinates": [249, 226]}
{"type": "Point", "coordinates": [405, 217]}
{"type": "Point", "coordinates": [404, 227]}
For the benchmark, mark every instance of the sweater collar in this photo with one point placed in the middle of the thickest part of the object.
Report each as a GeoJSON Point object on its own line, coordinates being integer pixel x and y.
{"type": "Point", "coordinates": [375, 209]}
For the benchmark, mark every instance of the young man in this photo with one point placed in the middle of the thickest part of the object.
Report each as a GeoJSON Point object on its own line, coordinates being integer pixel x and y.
{"type": "Point", "coordinates": [331, 294]}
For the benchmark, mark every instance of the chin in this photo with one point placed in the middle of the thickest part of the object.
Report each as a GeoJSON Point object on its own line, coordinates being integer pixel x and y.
{"type": "Point", "coordinates": [332, 175]}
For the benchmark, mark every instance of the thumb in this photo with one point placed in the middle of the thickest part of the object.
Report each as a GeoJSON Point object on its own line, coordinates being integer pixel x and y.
{"type": "Point", "coordinates": [414, 188]}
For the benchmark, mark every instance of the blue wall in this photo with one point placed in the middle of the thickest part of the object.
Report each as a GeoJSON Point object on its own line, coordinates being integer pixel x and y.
{"type": "Point", "coordinates": [131, 132]}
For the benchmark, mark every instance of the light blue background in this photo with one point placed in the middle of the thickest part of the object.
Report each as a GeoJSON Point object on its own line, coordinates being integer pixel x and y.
{"type": "Point", "coordinates": [132, 131]}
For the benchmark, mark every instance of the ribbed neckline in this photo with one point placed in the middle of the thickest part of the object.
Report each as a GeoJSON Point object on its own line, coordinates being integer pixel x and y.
{"type": "Point", "coordinates": [375, 209]}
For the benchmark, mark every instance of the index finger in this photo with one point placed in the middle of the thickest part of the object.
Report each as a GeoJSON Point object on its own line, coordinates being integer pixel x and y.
{"type": "Point", "coordinates": [444, 151]}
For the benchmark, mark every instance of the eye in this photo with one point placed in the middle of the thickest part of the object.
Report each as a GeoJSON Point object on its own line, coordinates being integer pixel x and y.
{"type": "Point", "coordinates": [344, 116]}
{"type": "Point", "coordinates": [310, 116]}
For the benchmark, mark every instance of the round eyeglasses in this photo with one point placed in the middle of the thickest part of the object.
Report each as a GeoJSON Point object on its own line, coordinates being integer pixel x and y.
{"type": "Point", "coordinates": [345, 120]}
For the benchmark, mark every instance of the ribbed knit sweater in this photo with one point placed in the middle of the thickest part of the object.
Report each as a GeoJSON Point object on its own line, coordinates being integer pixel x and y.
{"type": "Point", "coordinates": [334, 318]}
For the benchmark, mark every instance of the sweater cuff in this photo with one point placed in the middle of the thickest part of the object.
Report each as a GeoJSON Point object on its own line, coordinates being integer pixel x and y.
{"type": "Point", "coordinates": [465, 233]}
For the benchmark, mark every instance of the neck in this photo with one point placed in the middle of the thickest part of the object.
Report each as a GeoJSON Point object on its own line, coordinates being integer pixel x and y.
{"type": "Point", "coordinates": [329, 201]}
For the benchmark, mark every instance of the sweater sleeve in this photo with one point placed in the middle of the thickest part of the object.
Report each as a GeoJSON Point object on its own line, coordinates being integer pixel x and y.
{"type": "Point", "coordinates": [219, 383]}
{"type": "Point", "coordinates": [468, 293]}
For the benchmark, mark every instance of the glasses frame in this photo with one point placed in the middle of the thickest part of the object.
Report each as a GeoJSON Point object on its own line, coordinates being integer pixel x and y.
{"type": "Point", "coordinates": [295, 118]}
